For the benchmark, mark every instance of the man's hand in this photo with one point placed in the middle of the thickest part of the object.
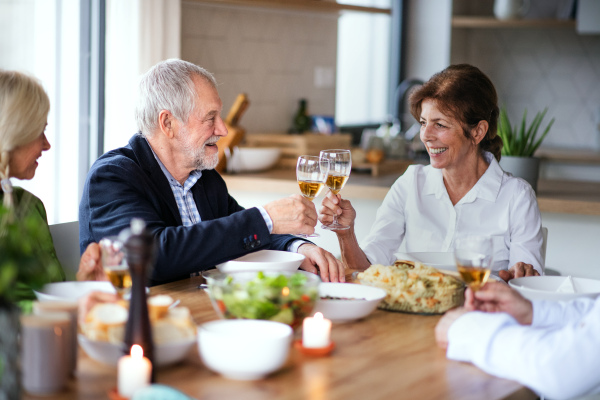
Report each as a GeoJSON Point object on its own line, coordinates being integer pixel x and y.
{"type": "Point", "coordinates": [334, 204]}
{"type": "Point", "coordinates": [498, 297]}
{"type": "Point", "coordinates": [292, 215]}
{"type": "Point", "coordinates": [518, 270]}
{"type": "Point", "coordinates": [322, 262]}
{"type": "Point", "coordinates": [443, 325]}
{"type": "Point", "coordinates": [90, 265]}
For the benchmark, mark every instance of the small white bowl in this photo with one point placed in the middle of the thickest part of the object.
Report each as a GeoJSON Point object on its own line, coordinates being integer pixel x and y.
{"type": "Point", "coordinates": [264, 260]}
{"type": "Point", "coordinates": [244, 349]}
{"type": "Point", "coordinates": [109, 353]}
{"type": "Point", "coordinates": [366, 300]}
{"type": "Point", "coordinates": [248, 159]}
{"type": "Point", "coordinates": [71, 290]}
{"type": "Point", "coordinates": [545, 287]}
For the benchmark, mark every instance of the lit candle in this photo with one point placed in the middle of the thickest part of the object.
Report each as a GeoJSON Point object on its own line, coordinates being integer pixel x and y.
{"type": "Point", "coordinates": [316, 331]}
{"type": "Point", "coordinates": [134, 372]}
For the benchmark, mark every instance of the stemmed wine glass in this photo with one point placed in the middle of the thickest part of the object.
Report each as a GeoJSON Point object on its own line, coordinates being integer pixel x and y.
{"type": "Point", "coordinates": [340, 164]}
{"type": "Point", "coordinates": [474, 255]}
{"type": "Point", "coordinates": [114, 264]}
{"type": "Point", "coordinates": [311, 173]}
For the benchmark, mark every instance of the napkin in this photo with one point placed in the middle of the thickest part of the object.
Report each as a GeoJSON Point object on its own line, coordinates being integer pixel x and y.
{"type": "Point", "coordinates": [567, 286]}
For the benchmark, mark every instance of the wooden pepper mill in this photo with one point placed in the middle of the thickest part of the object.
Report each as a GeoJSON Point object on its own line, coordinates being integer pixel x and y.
{"type": "Point", "coordinates": [139, 249]}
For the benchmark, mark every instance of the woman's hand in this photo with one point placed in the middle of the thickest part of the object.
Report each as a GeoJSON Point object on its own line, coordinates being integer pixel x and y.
{"type": "Point", "coordinates": [90, 265]}
{"type": "Point", "coordinates": [498, 297]}
{"type": "Point", "coordinates": [444, 324]}
{"type": "Point", "coordinates": [87, 302]}
{"type": "Point", "coordinates": [334, 204]}
{"type": "Point", "coordinates": [518, 270]}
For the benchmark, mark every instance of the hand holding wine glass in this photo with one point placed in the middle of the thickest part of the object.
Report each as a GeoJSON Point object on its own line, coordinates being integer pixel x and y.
{"type": "Point", "coordinates": [340, 165]}
{"type": "Point", "coordinates": [474, 255]}
{"type": "Point", "coordinates": [311, 173]}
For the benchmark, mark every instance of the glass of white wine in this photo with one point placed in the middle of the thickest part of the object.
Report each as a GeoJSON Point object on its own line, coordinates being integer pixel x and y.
{"type": "Point", "coordinates": [340, 165]}
{"type": "Point", "coordinates": [474, 256]}
{"type": "Point", "coordinates": [311, 173]}
{"type": "Point", "coordinates": [115, 265]}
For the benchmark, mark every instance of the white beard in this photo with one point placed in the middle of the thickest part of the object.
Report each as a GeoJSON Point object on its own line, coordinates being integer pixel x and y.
{"type": "Point", "coordinates": [200, 161]}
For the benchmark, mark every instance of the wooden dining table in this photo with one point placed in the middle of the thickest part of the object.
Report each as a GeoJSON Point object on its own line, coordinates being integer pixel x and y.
{"type": "Point", "coordinates": [387, 355]}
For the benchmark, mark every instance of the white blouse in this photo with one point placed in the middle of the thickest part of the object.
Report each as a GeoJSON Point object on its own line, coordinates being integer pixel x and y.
{"type": "Point", "coordinates": [418, 216]}
{"type": "Point", "coordinates": [557, 356]}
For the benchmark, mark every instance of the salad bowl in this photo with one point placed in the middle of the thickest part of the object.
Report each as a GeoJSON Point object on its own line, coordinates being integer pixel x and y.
{"type": "Point", "coordinates": [280, 296]}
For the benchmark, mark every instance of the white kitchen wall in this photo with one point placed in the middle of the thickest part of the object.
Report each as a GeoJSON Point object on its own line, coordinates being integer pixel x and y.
{"type": "Point", "coordinates": [269, 54]}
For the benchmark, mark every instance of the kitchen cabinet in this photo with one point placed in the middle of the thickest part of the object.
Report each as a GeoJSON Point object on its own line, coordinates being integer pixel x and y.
{"type": "Point", "coordinates": [484, 22]}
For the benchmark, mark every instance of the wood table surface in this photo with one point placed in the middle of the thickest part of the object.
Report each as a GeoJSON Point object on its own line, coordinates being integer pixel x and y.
{"type": "Point", "coordinates": [387, 355]}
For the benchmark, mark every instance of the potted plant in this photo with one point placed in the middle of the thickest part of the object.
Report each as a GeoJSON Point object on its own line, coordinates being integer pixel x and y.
{"type": "Point", "coordinates": [520, 144]}
{"type": "Point", "coordinates": [24, 265]}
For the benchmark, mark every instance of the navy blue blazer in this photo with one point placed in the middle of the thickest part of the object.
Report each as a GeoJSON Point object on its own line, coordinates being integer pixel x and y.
{"type": "Point", "coordinates": [128, 183]}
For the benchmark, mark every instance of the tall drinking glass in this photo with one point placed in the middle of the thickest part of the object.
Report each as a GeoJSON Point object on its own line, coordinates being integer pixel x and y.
{"type": "Point", "coordinates": [311, 173]}
{"type": "Point", "coordinates": [340, 165]}
{"type": "Point", "coordinates": [474, 255]}
{"type": "Point", "coordinates": [114, 264]}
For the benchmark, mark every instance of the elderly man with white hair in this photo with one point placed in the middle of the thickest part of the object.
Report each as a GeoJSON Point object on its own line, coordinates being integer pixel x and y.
{"type": "Point", "coordinates": [166, 176]}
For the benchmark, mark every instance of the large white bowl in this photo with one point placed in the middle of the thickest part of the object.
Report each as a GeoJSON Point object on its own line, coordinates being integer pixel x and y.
{"type": "Point", "coordinates": [545, 287]}
{"type": "Point", "coordinates": [264, 260]}
{"type": "Point", "coordinates": [71, 290]}
{"type": "Point", "coordinates": [361, 301]}
{"type": "Point", "coordinates": [253, 159]}
{"type": "Point", "coordinates": [109, 353]}
{"type": "Point", "coordinates": [244, 349]}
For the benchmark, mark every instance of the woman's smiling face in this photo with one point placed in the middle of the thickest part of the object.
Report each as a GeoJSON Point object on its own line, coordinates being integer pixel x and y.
{"type": "Point", "coordinates": [443, 137]}
{"type": "Point", "coordinates": [23, 159]}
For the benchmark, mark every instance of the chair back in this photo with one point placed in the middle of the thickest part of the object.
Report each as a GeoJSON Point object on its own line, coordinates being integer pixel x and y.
{"type": "Point", "coordinates": [66, 243]}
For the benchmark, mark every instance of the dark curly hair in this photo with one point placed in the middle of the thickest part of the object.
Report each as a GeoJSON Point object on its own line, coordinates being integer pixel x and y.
{"type": "Point", "coordinates": [468, 95]}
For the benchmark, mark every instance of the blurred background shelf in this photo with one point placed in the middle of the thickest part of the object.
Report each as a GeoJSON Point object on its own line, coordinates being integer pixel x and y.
{"type": "Point", "coordinates": [383, 168]}
{"type": "Point", "coordinates": [491, 22]}
{"type": "Point", "coordinates": [302, 5]}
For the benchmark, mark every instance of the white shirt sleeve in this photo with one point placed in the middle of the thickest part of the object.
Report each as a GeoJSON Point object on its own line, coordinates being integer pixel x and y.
{"type": "Point", "coordinates": [560, 363]}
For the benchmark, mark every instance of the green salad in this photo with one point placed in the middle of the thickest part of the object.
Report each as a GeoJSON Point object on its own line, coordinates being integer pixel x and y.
{"type": "Point", "coordinates": [281, 298]}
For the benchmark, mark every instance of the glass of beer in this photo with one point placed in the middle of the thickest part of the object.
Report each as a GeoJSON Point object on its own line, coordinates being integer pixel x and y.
{"type": "Point", "coordinates": [340, 165]}
{"type": "Point", "coordinates": [473, 255]}
{"type": "Point", "coordinates": [311, 173]}
{"type": "Point", "coordinates": [115, 265]}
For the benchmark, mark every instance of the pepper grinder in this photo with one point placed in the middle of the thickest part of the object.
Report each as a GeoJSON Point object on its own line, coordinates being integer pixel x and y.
{"type": "Point", "coordinates": [139, 249]}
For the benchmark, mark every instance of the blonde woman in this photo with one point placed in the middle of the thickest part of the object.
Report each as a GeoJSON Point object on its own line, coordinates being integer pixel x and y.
{"type": "Point", "coordinates": [24, 107]}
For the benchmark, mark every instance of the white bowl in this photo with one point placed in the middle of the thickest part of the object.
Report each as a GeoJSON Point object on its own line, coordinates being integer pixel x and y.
{"type": "Point", "coordinates": [244, 349]}
{"type": "Point", "coordinates": [264, 260]}
{"type": "Point", "coordinates": [253, 159]}
{"type": "Point", "coordinates": [71, 290]}
{"type": "Point", "coordinates": [362, 300]}
{"type": "Point", "coordinates": [109, 353]}
{"type": "Point", "coordinates": [545, 287]}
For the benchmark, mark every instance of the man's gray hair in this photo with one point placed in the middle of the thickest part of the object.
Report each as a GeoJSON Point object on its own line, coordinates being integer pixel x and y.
{"type": "Point", "coordinates": [168, 86]}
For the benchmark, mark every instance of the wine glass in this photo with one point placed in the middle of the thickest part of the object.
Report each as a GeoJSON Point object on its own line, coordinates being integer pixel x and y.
{"type": "Point", "coordinates": [340, 164]}
{"type": "Point", "coordinates": [115, 265]}
{"type": "Point", "coordinates": [474, 255]}
{"type": "Point", "coordinates": [311, 173]}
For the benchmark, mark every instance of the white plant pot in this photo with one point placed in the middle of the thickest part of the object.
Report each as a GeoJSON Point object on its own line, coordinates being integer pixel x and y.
{"type": "Point", "coordinates": [523, 167]}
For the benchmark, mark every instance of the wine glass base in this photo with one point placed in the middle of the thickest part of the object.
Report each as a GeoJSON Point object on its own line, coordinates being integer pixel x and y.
{"type": "Point", "coordinates": [335, 227]}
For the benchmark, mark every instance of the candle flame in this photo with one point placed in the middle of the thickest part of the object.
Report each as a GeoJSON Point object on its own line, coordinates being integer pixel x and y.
{"type": "Point", "coordinates": [285, 291]}
{"type": "Point", "coordinates": [137, 352]}
{"type": "Point", "coordinates": [318, 315]}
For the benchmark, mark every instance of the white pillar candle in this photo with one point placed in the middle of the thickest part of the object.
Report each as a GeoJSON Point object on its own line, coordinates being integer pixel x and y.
{"type": "Point", "coordinates": [134, 372]}
{"type": "Point", "coordinates": [316, 331]}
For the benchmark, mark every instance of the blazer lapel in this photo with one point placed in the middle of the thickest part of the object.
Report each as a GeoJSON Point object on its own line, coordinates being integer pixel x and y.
{"type": "Point", "coordinates": [205, 207]}
{"type": "Point", "coordinates": [146, 160]}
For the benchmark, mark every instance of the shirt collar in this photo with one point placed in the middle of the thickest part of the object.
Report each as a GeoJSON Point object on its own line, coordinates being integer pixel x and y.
{"type": "Point", "coordinates": [487, 187]}
{"type": "Point", "coordinates": [189, 182]}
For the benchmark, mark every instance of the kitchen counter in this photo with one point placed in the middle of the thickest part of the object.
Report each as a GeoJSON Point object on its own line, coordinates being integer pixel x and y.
{"type": "Point", "coordinates": [555, 196]}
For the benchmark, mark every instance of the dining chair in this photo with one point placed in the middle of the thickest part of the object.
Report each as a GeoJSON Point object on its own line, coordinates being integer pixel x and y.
{"type": "Point", "coordinates": [66, 243]}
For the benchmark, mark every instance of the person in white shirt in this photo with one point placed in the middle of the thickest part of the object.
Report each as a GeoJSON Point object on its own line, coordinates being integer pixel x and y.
{"type": "Point", "coordinates": [551, 347]}
{"type": "Point", "coordinates": [462, 192]}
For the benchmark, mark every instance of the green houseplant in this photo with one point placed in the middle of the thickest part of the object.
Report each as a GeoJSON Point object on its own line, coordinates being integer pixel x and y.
{"type": "Point", "coordinates": [24, 265]}
{"type": "Point", "coordinates": [520, 143]}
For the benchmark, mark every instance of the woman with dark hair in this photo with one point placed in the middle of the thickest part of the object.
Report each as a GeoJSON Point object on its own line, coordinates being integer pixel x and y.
{"type": "Point", "coordinates": [462, 192]}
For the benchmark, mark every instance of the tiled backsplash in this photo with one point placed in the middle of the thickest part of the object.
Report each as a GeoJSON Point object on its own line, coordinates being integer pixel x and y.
{"type": "Point", "coordinates": [269, 54]}
{"type": "Point", "coordinates": [536, 68]}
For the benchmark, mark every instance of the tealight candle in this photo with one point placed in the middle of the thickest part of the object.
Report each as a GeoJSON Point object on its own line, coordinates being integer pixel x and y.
{"type": "Point", "coordinates": [316, 332]}
{"type": "Point", "coordinates": [134, 372]}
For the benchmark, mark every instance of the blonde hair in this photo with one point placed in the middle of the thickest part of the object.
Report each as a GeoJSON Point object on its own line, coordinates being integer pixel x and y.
{"type": "Point", "coordinates": [24, 107]}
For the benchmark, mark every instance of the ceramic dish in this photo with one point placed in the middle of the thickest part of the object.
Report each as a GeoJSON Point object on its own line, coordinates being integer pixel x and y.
{"type": "Point", "coordinates": [546, 287]}
{"type": "Point", "coordinates": [264, 260]}
{"type": "Point", "coordinates": [71, 290]}
{"type": "Point", "coordinates": [350, 301]}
